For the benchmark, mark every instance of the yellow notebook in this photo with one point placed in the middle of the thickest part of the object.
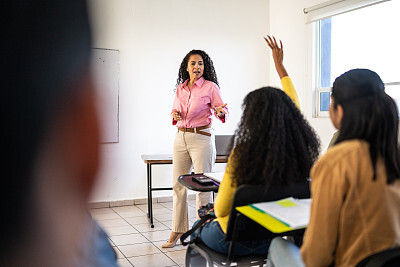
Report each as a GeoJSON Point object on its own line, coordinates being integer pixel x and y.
{"type": "Point", "coordinates": [264, 219]}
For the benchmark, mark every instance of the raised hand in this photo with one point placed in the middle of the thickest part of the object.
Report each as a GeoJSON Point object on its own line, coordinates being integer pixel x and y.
{"type": "Point", "coordinates": [277, 55]}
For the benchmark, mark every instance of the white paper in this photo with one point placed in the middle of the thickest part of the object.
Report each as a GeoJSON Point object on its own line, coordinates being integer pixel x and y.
{"type": "Point", "coordinates": [295, 216]}
{"type": "Point", "coordinates": [217, 176]}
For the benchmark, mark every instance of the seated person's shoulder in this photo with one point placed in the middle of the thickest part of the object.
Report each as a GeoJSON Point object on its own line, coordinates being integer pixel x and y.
{"type": "Point", "coordinates": [345, 150]}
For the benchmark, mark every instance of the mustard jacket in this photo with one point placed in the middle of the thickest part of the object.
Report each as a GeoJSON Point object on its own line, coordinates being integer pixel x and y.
{"type": "Point", "coordinates": [352, 216]}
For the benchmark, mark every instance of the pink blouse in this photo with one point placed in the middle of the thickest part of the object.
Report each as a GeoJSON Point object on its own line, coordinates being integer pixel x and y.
{"type": "Point", "coordinates": [196, 105]}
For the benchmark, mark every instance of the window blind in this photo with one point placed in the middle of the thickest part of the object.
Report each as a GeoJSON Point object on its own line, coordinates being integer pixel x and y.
{"type": "Point", "coordinates": [335, 7]}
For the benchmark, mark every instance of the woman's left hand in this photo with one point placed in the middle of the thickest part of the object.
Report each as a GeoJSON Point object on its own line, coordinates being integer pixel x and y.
{"type": "Point", "coordinates": [220, 110]}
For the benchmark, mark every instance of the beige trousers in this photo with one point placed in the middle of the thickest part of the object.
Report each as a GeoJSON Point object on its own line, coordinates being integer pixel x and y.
{"type": "Point", "coordinates": [190, 150]}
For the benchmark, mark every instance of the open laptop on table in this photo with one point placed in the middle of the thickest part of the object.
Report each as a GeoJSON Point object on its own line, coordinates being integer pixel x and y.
{"type": "Point", "coordinates": [222, 146]}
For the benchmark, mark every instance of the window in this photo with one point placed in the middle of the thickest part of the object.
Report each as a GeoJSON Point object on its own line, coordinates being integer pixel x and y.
{"type": "Point", "coordinates": [363, 38]}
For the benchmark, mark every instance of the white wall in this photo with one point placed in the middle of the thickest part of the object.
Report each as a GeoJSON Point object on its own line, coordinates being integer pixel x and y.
{"type": "Point", "coordinates": [287, 22]}
{"type": "Point", "coordinates": [153, 36]}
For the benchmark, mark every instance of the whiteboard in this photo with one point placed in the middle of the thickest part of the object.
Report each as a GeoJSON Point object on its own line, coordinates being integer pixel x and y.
{"type": "Point", "coordinates": [105, 71]}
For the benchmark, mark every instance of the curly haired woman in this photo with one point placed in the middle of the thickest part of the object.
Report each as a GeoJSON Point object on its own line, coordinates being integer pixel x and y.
{"type": "Point", "coordinates": [197, 99]}
{"type": "Point", "coordinates": [273, 145]}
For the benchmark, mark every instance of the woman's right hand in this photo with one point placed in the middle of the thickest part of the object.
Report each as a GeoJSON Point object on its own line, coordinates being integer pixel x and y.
{"type": "Point", "coordinates": [176, 115]}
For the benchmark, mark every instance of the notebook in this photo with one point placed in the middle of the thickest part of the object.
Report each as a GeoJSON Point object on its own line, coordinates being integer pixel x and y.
{"type": "Point", "coordinates": [262, 215]}
{"type": "Point", "coordinates": [290, 211]}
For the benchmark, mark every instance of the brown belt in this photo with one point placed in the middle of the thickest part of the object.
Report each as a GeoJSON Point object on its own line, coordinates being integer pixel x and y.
{"type": "Point", "coordinates": [196, 130]}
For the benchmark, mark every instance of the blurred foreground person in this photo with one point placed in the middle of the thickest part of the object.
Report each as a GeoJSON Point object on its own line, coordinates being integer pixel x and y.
{"type": "Point", "coordinates": [49, 137]}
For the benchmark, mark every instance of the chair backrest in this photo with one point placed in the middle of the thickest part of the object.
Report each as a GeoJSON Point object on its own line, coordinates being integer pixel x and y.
{"type": "Point", "coordinates": [247, 194]}
{"type": "Point", "coordinates": [386, 258]}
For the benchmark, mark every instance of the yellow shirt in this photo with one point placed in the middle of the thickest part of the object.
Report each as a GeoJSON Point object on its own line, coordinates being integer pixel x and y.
{"type": "Point", "coordinates": [352, 216]}
{"type": "Point", "coordinates": [223, 202]}
{"type": "Point", "coordinates": [290, 90]}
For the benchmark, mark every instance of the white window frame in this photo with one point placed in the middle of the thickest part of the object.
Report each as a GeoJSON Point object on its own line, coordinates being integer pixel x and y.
{"type": "Point", "coordinates": [319, 112]}
{"type": "Point", "coordinates": [314, 15]}
{"type": "Point", "coordinates": [317, 75]}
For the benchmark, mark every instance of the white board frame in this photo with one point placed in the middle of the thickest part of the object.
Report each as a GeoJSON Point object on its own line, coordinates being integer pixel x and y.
{"type": "Point", "coordinates": [105, 71]}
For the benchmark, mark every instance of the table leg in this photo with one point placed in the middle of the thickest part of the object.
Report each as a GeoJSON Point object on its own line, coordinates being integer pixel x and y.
{"type": "Point", "coordinates": [149, 196]}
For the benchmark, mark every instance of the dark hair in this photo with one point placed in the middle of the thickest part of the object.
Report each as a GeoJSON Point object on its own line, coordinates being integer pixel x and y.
{"type": "Point", "coordinates": [369, 114]}
{"type": "Point", "coordinates": [46, 50]}
{"type": "Point", "coordinates": [274, 144]}
{"type": "Point", "coordinates": [209, 71]}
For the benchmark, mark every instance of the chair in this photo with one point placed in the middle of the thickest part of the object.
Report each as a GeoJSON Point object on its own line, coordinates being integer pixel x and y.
{"type": "Point", "coordinates": [241, 228]}
{"type": "Point", "coordinates": [386, 258]}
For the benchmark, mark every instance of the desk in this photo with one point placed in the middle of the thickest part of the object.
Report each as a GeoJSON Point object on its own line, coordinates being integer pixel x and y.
{"type": "Point", "coordinates": [161, 159]}
{"type": "Point", "coordinates": [187, 181]}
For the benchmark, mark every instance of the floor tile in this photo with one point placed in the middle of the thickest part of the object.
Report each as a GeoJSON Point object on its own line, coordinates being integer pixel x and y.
{"type": "Point", "coordinates": [124, 263]}
{"type": "Point", "coordinates": [138, 220]}
{"type": "Point", "coordinates": [162, 211]}
{"type": "Point", "coordinates": [167, 205]}
{"type": "Point", "coordinates": [101, 211]}
{"type": "Point", "coordinates": [145, 227]}
{"type": "Point", "coordinates": [125, 208]}
{"type": "Point", "coordinates": [192, 211]}
{"type": "Point", "coordinates": [157, 235]}
{"type": "Point", "coordinates": [135, 242]}
{"type": "Point", "coordinates": [163, 217]}
{"type": "Point", "coordinates": [154, 260]}
{"type": "Point", "coordinates": [139, 249]}
{"type": "Point", "coordinates": [177, 256]}
{"type": "Point", "coordinates": [121, 230]}
{"type": "Point", "coordinates": [164, 199]}
{"type": "Point", "coordinates": [119, 253]}
{"type": "Point", "coordinates": [131, 213]}
{"type": "Point", "coordinates": [168, 224]}
{"type": "Point", "coordinates": [130, 239]}
{"type": "Point", "coordinates": [113, 223]}
{"type": "Point", "coordinates": [193, 218]}
{"type": "Point", "coordinates": [144, 207]}
{"type": "Point", "coordinates": [105, 216]}
{"type": "Point", "coordinates": [192, 203]}
{"type": "Point", "coordinates": [177, 247]}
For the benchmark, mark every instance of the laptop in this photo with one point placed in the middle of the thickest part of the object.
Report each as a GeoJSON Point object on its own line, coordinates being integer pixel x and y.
{"type": "Point", "coordinates": [222, 143]}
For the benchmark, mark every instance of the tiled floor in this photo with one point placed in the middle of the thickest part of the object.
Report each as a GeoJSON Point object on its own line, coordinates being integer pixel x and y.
{"type": "Point", "coordinates": [136, 243]}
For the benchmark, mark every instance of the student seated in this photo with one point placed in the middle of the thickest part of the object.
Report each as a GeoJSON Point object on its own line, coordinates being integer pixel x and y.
{"type": "Point", "coordinates": [355, 186]}
{"type": "Point", "coordinates": [273, 145]}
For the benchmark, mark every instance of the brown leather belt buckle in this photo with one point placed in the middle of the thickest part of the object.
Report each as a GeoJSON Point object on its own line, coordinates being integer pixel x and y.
{"type": "Point", "coordinates": [196, 130]}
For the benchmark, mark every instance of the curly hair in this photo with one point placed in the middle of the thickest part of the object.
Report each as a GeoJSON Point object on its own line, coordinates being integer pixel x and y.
{"type": "Point", "coordinates": [274, 144]}
{"type": "Point", "coordinates": [209, 71]}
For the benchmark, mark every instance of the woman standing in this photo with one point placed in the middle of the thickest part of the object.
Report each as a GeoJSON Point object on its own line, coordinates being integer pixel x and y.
{"type": "Point", "coordinates": [197, 99]}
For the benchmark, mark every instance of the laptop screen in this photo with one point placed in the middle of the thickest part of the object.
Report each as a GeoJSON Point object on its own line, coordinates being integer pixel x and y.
{"type": "Point", "coordinates": [222, 143]}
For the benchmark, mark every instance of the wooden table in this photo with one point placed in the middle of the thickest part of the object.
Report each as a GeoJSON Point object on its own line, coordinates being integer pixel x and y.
{"type": "Point", "coordinates": [161, 159]}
